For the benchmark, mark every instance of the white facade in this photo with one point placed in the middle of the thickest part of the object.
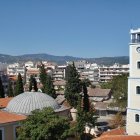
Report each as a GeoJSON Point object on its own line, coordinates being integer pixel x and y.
{"type": "Point", "coordinates": [15, 69]}
{"type": "Point", "coordinates": [106, 73]}
{"type": "Point", "coordinates": [133, 110]}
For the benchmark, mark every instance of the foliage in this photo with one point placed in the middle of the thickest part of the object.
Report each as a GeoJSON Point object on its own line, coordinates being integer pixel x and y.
{"type": "Point", "coordinates": [2, 94]}
{"type": "Point", "coordinates": [119, 91]}
{"type": "Point", "coordinates": [47, 82]}
{"type": "Point", "coordinates": [73, 85]}
{"type": "Point", "coordinates": [19, 85]}
{"type": "Point", "coordinates": [117, 120]}
{"type": "Point", "coordinates": [44, 125]}
{"type": "Point", "coordinates": [86, 104]}
{"type": "Point", "coordinates": [49, 88]}
{"type": "Point", "coordinates": [43, 75]}
{"type": "Point", "coordinates": [10, 92]}
{"type": "Point", "coordinates": [106, 85]}
{"type": "Point", "coordinates": [84, 117]}
{"type": "Point", "coordinates": [32, 83]}
{"type": "Point", "coordinates": [87, 82]}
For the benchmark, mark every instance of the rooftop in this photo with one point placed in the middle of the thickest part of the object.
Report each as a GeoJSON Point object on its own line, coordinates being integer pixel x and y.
{"type": "Point", "coordinates": [6, 117]}
{"type": "Point", "coordinates": [4, 101]}
{"type": "Point", "coordinates": [98, 92]}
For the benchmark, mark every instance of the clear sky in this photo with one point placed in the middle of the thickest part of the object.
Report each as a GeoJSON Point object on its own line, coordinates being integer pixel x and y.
{"type": "Point", "coordinates": [83, 28]}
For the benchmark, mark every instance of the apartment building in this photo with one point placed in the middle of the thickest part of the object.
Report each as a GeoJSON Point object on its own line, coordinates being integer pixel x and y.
{"type": "Point", "coordinates": [106, 73]}
{"type": "Point", "coordinates": [14, 69]}
{"type": "Point", "coordinates": [59, 72]}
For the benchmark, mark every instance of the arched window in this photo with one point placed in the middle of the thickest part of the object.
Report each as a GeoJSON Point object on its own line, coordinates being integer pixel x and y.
{"type": "Point", "coordinates": [137, 118]}
{"type": "Point", "coordinates": [138, 89]}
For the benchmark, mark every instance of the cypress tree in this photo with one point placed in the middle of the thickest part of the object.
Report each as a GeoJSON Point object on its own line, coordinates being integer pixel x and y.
{"type": "Point", "coordinates": [43, 75]}
{"type": "Point", "coordinates": [49, 88]}
{"type": "Point", "coordinates": [47, 82]}
{"type": "Point", "coordinates": [73, 85]}
{"type": "Point", "coordinates": [10, 90]}
{"type": "Point", "coordinates": [33, 83]}
{"type": "Point", "coordinates": [2, 94]}
{"type": "Point", "coordinates": [19, 85]}
{"type": "Point", "coordinates": [86, 105]}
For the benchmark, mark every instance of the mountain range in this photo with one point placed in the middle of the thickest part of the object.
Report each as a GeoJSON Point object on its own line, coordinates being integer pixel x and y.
{"type": "Point", "coordinates": [62, 59]}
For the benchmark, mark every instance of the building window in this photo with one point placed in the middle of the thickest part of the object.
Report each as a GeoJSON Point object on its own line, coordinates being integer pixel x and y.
{"type": "Point", "coordinates": [16, 127]}
{"type": "Point", "coordinates": [1, 133]}
{"type": "Point", "coordinates": [138, 89]}
{"type": "Point", "coordinates": [136, 118]}
{"type": "Point", "coordinates": [138, 65]}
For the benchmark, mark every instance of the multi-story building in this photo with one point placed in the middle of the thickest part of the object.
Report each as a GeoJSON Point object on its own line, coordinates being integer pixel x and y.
{"type": "Point", "coordinates": [133, 109]}
{"type": "Point", "coordinates": [14, 69]}
{"type": "Point", "coordinates": [59, 72]}
{"type": "Point", "coordinates": [106, 73]}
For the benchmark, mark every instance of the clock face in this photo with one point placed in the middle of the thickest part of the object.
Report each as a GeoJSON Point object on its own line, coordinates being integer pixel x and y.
{"type": "Point", "coordinates": [138, 49]}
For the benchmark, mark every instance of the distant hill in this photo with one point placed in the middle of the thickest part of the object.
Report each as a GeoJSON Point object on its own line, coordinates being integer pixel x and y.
{"type": "Point", "coordinates": [62, 59]}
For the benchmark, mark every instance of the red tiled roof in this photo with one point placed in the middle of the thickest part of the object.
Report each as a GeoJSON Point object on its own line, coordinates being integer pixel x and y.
{"type": "Point", "coordinates": [4, 101]}
{"type": "Point", "coordinates": [119, 137]}
{"type": "Point", "coordinates": [117, 131]}
{"type": "Point", "coordinates": [98, 92]}
{"type": "Point", "coordinates": [6, 117]}
{"type": "Point", "coordinates": [117, 134]}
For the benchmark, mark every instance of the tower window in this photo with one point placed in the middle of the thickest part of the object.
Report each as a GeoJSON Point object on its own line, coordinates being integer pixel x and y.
{"type": "Point", "coordinates": [137, 118]}
{"type": "Point", "coordinates": [138, 89]}
{"type": "Point", "coordinates": [138, 65]}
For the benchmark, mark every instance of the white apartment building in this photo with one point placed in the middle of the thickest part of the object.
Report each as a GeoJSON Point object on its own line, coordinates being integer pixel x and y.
{"type": "Point", "coordinates": [106, 73]}
{"type": "Point", "coordinates": [59, 72]}
{"type": "Point", "coordinates": [14, 69]}
{"type": "Point", "coordinates": [133, 109]}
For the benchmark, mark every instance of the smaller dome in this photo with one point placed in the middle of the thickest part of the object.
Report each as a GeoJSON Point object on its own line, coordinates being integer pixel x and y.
{"type": "Point", "coordinates": [29, 101]}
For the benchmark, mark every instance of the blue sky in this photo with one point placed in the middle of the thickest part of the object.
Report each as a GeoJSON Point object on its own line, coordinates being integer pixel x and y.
{"type": "Point", "coordinates": [83, 28]}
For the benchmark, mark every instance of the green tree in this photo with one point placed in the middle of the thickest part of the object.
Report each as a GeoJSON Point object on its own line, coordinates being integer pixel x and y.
{"type": "Point", "coordinates": [119, 90]}
{"type": "Point", "coordinates": [32, 83]}
{"type": "Point", "coordinates": [10, 92]}
{"type": "Point", "coordinates": [73, 85]}
{"type": "Point", "coordinates": [44, 125]}
{"type": "Point", "coordinates": [2, 94]}
{"type": "Point", "coordinates": [47, 82]}
{"type": "Point", "coordinates": [87, 82]}
{"type": "Point", "coordinates": [84, 117]}
{"type": "Point", "coordinates": [86, 104]}
{"type": "Point", "coordinates": [43, 76]}
{"type": "Point", "coordinates": [19, 85]}
{"type": "Point", "coordinates": [106, 85]}
{"type": "Point", "coordinates": [49, 88]}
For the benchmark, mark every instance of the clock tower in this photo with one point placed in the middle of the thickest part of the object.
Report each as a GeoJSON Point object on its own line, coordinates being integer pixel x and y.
{"type": "Point", "coordinates": [133, 107]}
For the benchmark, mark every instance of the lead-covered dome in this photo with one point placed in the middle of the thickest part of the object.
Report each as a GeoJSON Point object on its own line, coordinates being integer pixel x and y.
{"type": "Point", "coordinates": [29, 101]}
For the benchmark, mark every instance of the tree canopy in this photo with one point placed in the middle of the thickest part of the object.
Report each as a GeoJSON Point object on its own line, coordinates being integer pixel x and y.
{"type": "Point", "coordinates": [19, 85]}
{"type": "Point", "coordinates": [44, 125]}
{"type": "Point", "coordinates": [119, 90]}
{"type": "Point", "coordinates": [10, 92]}
{"type": "Point", "coordinates": [47, 82]}
{"type": "Point", "coordinates": [73, 85]}
{"type": "Point", "coordinates": [32, 83]}
{"type": "Point", "coordinates": [2, 94]}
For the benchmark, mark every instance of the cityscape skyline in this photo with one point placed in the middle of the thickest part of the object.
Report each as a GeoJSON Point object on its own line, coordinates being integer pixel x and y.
{"type": "Point", "coordinates": [75, 28]}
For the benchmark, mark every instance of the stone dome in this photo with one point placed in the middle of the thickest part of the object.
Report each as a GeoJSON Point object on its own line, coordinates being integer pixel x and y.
{"type": "Point", "coordinates": [29, 101]}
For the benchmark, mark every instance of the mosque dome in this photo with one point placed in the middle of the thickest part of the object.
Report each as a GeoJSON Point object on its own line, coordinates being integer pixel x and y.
{"type": "Point", "coordinates": [29, 101]}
